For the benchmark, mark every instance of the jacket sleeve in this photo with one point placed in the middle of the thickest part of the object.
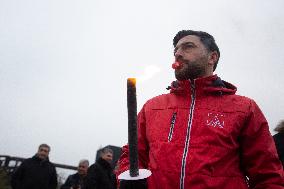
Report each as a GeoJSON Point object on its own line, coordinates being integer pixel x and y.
{"type": "Point", "coordinates": [17, 176]}
{"type": "Point", "coordinates": [259, 157]}
{"type": "Point", "coordinates": [92, 178]}
{"type": "Point", "coordinates": [68, 183]}
{"type": "Point", "coordinates": [53, 179]}
{"type": "Point", "coordinates": [143, 149]}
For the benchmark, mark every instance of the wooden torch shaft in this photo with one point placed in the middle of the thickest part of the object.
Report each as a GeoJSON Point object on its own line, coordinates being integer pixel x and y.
{"type": "Point", "coordinates": [132, 126]}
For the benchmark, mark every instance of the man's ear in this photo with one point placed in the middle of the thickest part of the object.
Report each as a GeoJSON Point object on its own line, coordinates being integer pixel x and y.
{"type": "Point", "coordinates": [212, 58]}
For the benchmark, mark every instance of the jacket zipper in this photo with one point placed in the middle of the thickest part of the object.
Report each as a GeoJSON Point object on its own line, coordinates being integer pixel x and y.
{"type": "Point", "coordinates": [173, 121]}
{"type": "Point", "coordinates": [185, 151]}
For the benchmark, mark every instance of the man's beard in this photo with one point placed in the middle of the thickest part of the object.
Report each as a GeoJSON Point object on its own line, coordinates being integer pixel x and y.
{"type": "Point", "coordinates": [190, 70]}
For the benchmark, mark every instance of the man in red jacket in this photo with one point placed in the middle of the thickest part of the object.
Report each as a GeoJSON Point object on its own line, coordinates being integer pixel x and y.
{"type": "Point", "coordinates": [202, 135]}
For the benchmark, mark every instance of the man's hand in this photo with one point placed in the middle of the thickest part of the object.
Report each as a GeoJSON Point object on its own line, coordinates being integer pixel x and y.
{"type": "Point", "coordinates": [133, 184]}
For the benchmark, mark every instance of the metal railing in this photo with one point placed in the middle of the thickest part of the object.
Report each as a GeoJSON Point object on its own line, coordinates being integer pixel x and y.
{"type": "Point", "coordinates": [10, 163]}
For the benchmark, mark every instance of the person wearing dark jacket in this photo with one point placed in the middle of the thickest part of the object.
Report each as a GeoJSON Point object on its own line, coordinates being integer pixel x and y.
{"type": "Point", "coordinates": [100, 175]}
{"type": "Point", "coordinates": [36, 172]}
{"type": "Point", "coordinates": [279, 141]}
{"type": "Point", "coordinates": [77, 180]}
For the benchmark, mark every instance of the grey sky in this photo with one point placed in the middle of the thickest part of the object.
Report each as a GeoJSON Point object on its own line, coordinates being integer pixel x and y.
{"type": "Point", "coordinates": [64, 65]}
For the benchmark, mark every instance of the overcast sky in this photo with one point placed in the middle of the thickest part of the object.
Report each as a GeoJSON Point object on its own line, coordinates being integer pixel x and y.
{"type": "Point", "coordinates": [64, 65]}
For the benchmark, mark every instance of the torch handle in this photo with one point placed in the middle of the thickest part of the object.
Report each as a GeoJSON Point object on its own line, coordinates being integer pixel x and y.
{"type": "Point", "coordinates": [132, 127]}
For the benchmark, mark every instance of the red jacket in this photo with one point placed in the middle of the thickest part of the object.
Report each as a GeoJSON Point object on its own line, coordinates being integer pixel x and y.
{"type": "Point", "coordinates": [203, 136]}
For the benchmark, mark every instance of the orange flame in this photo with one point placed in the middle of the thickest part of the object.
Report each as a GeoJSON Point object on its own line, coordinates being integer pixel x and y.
{"type": "Point", "coordinates": [132, 80]}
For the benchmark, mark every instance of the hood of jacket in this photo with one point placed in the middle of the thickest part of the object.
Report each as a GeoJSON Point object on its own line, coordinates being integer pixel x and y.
{"type": "Point", "coordinates": [104, 163]}
{"type": "Point", "coordinates": [41, 161]}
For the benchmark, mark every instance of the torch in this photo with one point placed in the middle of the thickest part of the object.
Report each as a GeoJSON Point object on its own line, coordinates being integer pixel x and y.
{"type": "Point", "coordinates": [134, 173]}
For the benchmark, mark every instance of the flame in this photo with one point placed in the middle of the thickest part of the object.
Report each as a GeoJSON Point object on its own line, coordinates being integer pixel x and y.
{"type": "Point", "coordinates": [132, 80]}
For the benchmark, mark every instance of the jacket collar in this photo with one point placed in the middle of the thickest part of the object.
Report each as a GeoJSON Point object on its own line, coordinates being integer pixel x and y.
{"type": "Point", "coordinates": [35, 157]}
{"type": "Point", "coordinates": [206, 85]}
{"type": "Point", "coordinates": [104, 163]}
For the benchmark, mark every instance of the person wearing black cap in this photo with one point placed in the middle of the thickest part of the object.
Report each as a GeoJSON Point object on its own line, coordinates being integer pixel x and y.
{"type": "Point", "coordinates": [100, 175]}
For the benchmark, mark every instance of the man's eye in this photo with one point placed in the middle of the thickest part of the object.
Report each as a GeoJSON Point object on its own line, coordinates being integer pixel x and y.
{"type": "Point", "coordinates": [188, 46]}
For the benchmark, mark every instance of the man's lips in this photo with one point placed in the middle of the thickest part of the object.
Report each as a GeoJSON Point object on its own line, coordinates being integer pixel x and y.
{"type": "Point", "coordinates": [177, 65]}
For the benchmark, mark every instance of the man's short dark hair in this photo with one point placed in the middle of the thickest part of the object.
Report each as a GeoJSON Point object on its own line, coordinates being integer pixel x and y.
{"type": "Point", "coordinates": [207, 40]}
{"type": "Point", "coordinates": [44, 145]}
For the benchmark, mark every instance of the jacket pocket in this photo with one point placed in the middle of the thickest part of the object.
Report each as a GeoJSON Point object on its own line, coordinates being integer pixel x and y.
{"type": "Point", "coordinates": [172, 125]}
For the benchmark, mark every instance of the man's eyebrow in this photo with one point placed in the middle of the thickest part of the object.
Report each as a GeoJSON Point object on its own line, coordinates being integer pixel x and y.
{"type": "Point", "coordinates": [183, 44]}
{"type": "Point", "coordinates": [187, 43]}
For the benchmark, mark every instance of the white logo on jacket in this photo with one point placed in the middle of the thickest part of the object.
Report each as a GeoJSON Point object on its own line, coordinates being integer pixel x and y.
{"type": "Point", "coordinates": [215, 120]}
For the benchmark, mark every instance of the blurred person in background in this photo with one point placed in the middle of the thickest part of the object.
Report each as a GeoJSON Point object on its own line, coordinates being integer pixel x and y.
{"type": "Point", "coordinates": [36, 172]}
{"type": "Point", "coordinates": [100, 175]}
{"type": "Point", "coordinates": [279, 140]}
{"type": "Point", "coordinates": [77, 180]}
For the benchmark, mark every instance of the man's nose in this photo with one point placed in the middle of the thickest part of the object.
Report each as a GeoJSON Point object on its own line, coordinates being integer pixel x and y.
{"type": "Point", "coordinates": [178, 56]}
{"type": "Point", "coordinates": [178, 53]}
